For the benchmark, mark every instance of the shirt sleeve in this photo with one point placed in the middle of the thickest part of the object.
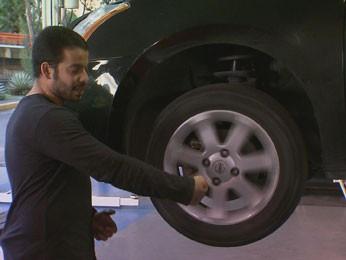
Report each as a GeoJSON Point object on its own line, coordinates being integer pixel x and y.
{"type": "Point", "coordinates": [61, 136]}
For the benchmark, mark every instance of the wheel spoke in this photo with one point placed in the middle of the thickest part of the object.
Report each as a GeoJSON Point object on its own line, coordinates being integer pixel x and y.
{"type": "Point", "coordinates": [207, 134]}
{"type": "Point", "coordinates": [182, 153]}
{"type": "Point", "coordinates": [189, 156]}
{"type": "Point", "coordinates": [248, 191]}
{"type": "Point", "coordinates": [255, 162]}
{"type": "Point", "coordinates": [237, 136]}
{"type": "Point", "coordinates": [218, 208]}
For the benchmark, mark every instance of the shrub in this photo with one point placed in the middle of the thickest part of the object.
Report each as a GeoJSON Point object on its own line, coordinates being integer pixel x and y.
{"type": "Point", "coordinates": [3, 91]}
{"type": "Point", "coordinates": [20, 83]}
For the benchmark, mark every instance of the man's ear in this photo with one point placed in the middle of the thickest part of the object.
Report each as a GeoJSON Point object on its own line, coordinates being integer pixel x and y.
{"type": "Point", "coordinates": [46, 70]}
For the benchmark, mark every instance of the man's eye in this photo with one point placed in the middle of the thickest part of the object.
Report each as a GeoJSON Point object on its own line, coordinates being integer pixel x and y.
{"type": "Point", "coordinates": [75, 71]}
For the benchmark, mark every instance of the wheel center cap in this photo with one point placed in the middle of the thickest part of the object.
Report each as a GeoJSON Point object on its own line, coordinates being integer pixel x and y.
{"type": "Point", "coordinates": [219, 167]}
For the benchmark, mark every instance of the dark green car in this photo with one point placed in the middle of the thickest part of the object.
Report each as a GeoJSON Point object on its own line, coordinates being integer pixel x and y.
{"type": "Point", "coordinates": [249, 94]}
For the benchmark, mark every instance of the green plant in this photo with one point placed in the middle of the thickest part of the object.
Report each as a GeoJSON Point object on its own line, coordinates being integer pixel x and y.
{"type": "Point", "coordinates": [20, 83]}
{"type": "Point", "coordinates": [12, 14]}
{"type": "Point", "coordinates": [3, 91]}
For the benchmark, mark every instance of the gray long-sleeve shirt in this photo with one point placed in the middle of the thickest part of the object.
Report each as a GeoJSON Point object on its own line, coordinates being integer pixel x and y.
{"type": "Point", "coordinates": [50, 158]}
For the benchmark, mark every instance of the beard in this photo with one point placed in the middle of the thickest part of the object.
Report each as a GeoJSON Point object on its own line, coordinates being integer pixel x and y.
{"type": "Point", "coordinates": [65, 91]}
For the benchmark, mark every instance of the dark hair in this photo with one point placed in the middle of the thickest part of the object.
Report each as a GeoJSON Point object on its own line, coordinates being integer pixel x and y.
{"type": "Point", "coordinates": [50, 44]}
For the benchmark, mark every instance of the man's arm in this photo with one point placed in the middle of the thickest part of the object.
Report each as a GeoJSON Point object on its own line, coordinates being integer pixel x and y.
{"type": "Point", "coordinates": [61, 136]}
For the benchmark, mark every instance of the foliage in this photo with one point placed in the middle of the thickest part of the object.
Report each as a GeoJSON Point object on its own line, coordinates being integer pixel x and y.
{"type": "Point", "coordinates": [88, 5]}
{"type": "Point", "coordinates": [106, 1]}
{"type": "Point", "coordinates": [70, 16]}
{"type": "Point", "coordinates": [12, 15]}
{"type": "Point", "coordinates": [20, 83]}
{"type": "Point", "coordinates": [36, 8]}
{"type": "Point", "coordinates": [13, 19]}
{"type": "Point", "coordinates": [3, 91]}
{"type": "Point", "coordinates": [34, 20]}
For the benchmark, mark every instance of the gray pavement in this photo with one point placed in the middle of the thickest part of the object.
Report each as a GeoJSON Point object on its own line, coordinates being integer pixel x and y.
{"type": "Point", "coordinates": [313, 232]}
{"type": "Point", "coordinates": [4, 117]}
{"type": "Point", "coordinates": [9, 103]}
{"type": "Point", "coordinates": [6, 108]}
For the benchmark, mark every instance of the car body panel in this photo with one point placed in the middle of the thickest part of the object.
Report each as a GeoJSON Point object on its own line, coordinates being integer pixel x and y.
{"type": "Point", "coordinates": [306, 37]}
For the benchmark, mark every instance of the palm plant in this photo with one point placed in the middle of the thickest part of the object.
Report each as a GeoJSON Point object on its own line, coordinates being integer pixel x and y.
{"type": "Point", "coordinates": [20, 83]}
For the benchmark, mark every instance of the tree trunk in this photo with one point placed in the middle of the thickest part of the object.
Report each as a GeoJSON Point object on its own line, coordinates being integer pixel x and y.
{"type": "Point", "coordinates": [29, 21]}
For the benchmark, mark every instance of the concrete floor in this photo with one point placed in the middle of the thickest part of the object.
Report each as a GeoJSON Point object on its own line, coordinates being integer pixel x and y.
{"type": "Point", "coordinates": [315, 231]}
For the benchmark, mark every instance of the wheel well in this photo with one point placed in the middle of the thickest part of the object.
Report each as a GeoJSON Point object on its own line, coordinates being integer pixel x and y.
{"type": "Point", "coordinates": [217, 63]}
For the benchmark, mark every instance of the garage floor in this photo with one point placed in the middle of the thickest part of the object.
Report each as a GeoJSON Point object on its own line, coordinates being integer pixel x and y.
{"type": "Point", "coordinates": [315, 231]}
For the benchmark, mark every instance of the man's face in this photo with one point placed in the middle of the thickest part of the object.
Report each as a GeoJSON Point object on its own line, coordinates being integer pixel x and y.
{"type": "Point", "coordinates": [70, 75]}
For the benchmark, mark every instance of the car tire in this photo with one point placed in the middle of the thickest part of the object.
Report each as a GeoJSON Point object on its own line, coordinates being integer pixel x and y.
{"type": "Point", "coordinates": [247, 147]}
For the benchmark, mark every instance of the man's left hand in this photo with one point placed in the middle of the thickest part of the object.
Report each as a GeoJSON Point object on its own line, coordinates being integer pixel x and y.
{"type": "Point", "coordinates": [103, 225]}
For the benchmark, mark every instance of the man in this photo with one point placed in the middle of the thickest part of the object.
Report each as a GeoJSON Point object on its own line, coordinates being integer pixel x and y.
{"type": "Point", "coordinates": [50, 159]}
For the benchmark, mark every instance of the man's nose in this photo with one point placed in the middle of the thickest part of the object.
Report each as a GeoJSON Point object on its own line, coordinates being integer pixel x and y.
{"type": "Point", "coordinates": [84, 77]}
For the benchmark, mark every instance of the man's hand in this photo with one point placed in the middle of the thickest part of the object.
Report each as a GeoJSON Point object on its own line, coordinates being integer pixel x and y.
{"type": "Point", "coordinates": [201, 187]}
{"type": "Point", "coordinates": [103, 226]}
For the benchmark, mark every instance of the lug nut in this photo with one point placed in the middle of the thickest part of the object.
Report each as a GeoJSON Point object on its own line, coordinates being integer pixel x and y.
{"type": "Point", "coordinates": [235, 171]}
{"type": "Point", "coordinates": [224, 152]}
{"type": "Point", "coordinates": [206, 162]}
{"type": "Point", "coordinates": [216, 181]}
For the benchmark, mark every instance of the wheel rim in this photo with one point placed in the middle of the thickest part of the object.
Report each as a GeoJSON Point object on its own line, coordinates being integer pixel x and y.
{"type": "Point", "coordinates": [238, 159]}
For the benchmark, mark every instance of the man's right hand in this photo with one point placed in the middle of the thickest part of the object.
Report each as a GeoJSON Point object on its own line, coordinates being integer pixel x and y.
{"type": "Point", "coordinates": [201, 188]}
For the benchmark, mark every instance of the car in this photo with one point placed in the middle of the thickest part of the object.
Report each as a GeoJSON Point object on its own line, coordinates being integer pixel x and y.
{"type": "Point", "coordinates": [249, 94]}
